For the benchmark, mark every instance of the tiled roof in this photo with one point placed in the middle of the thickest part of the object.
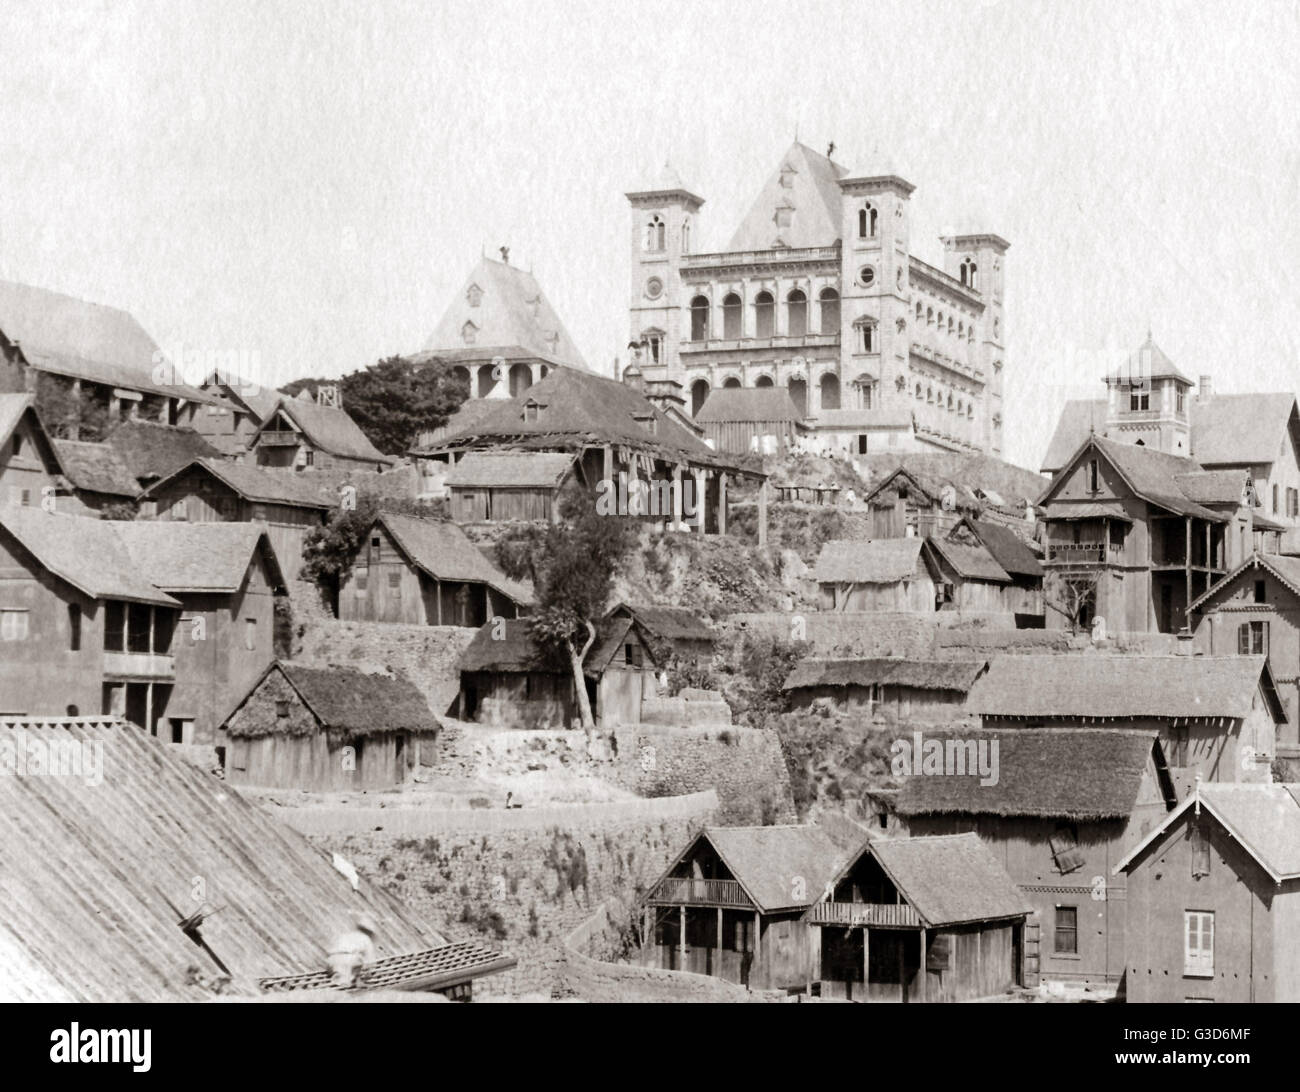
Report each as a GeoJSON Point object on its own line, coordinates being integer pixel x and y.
{"type": "Point", "coordinates": [329, 429]}
{"type": "Point", "coordinates": [295, 490]}
{"type": "Point", "coordinates": [96, 468]}
{"type": "Point", "coordinates": [98, 876]}
{"type": "Point", "coordinates": [954, 675]}
{"type": "Point", "coordinates": [178, 556]}
{"type": "Point", "coordinates": [442, 550]}
{"type": "Point", "coordinates": [878, 561]}
{"type": "Point", "coordinates": [433, 969]}
{"type": "Point", "coordinates": [87, 553]}
{"type": "Point", "coordinates": [510, 470]}
{"type": "Point", "coordinates": [1080, 418]}
{"type": "Point", "coordinates": [1009, 550]}
{"type": "Point", "coordinates": [1214, 486]}
{"type": "Point", "coordinates": [970, 562]}
{"type": "Point", "coordinates": [1088, 685]}
{"type": "Point", "coordinates": [1283, 566]}
{"type": "Point", "coordinates": [1154, 476]}
{"type": "Point", "coordinates": [1081, 774]}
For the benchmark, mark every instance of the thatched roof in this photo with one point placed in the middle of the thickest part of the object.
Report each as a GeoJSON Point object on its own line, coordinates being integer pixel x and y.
{"type": "Point", "coordinates": [345, 703]}
{"type": "Point", "coordinates": [877, 561]}
{"type": "Point", "coordinates": [294, 490]}
{"type": "Point", "coordinates": [975, 480]}
{"type": "Point", "coordinates": [327, 429]}
{"type": "Point", "coordinates": [955, 675]}
{"type": "Point", "coordinates": [197, 557]}
{"type": "Point", "coordinates": [1102, 686]}
{"type": "Point", "coordinates": [756, 405]}
{"type": "Point", "coordinates": [766, 860]}
{"type": "Point", "coordinates": [669, 623]}
{"type": "Point", "coordinates": [150, 450]}
{"type": "Point", "coordinates": [96, 468]}
{"type": "Point", "coordinates": [510, 470]}
{"type": "Point", "coordinates": [952, 879]}
{"type": "Point", "coordinates": [443, 551]}
{"type": "Point", "coordinates": [969, 562]}
{"type": "Point", "coordinates": [1009, 550]}
{"type": "Point", "coordinates": [1079, 774]}
{"type": "Point", "coordinates": [508, 648]}
{"type": "Point", "coordinates": [87, 553]}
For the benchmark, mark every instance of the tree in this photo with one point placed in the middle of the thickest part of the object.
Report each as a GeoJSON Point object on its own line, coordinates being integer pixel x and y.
{"type": "Point", "coordinates": [393, 401]}
{"type": "Point", "coordinates": [1075, 596]}
{"type": "Point", "coordinates": [572, 565]}
{"type": "Point", "coordinates": [69, 414]}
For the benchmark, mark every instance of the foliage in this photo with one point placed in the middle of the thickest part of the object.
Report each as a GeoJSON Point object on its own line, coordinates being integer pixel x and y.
{"type": "Point", "coordinates": [484, 920]}
{"type": "Point", "coordinates": [328, 551]}
{"type": "Point", "coordinates": [122, 510]}
{"type": "Point", "coordinates": [393, 401]}
{"type": "Point", "coordinates": [67, 416]}
{"type": "Point", "coordinates": [690, 674]}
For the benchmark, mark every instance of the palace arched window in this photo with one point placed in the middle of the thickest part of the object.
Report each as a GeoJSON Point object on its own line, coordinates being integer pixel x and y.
{"type": "Point", "coordinates": [796, 305]}
{"type": "Point", "coordinates": [764, 314]}
{"type": "Point", "coordinates": [867, 221]}
{"type": "Point", "coordinates": [655, 234]}
{"type": "Point", "coordinates": [700, 318]}
{"type": "Point", "coordinates": [968, 273]}
{"type": "Point", "coordinates": [731, 316]}
{"type": "Point", "coordinates": [830, 391]}
{"type": "Point", "coordinates": [830, 307]}
{"type": "Point", "coordinates": [686, 235]}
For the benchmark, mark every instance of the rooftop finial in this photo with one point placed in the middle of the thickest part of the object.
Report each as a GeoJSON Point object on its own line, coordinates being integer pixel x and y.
{"type": "Point", "coordinates": [830, 149]}
{"type": "Point", "coordinates": [505, 254]}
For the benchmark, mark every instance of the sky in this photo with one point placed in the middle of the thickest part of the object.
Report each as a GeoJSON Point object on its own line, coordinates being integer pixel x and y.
{"type": "Point", "coordinates": [308, 184]}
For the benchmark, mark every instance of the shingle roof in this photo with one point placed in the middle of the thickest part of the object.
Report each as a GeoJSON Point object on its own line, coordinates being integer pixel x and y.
{"type": "Point", "coordinates": [1089, 685]}
{"type": "Point", "coordinates": [748, 404]}
{"type": "Point", "coordinates": [295, 490]}
{"type": "Point", "coordinates": [1149, 362]}
{"type": "Point", "coordinates": [1284, 567]}
{"type": "Point", "coordinates": [138, 837]}
{"type": "Point", "coordinates": [1264, 819]}
{"type": "Point", "coordinates": [1214, 486]}
{"type": "Point", "coordinates": [510, 649]}
{"type": "Point", "coordinates": [767, 860]}
{"type": "Point", "coordinates": [1009, 550]}
{"type": "Point", "coordinates": [85, 552]}
{"type": "Point", "coordinates": [878, 561]}
{"type": "Point", "coordinates": [327, 428]}
{"type": "Point", "coordinates": [510, 470]}
{"type": "Point", "coordinates": [1080, 418]}
{"type": "Point", "coordinates": [96, 468]}
{"type": "Point", "coordinates": [969, 562]}
{"type": "Point", "coordinates": [955, 675]}
{"type": "Point", "coordinates": [1154, 476]}
{"type": "Point", "coordinates": [949, 880]}
{"type": "Point", "coordinates": [813, 196]}
{"type": "Point", "coordinates": [196, 557]}
{"type": "Point", "coordinates": [1082, 774]}
{"type": "Point", "coordinates": [150, 450]}
{"type": "Point", "coordinates": [511, 310]}
{"type": "Point", "coordinates": [68, 336]}
{"type": "Point", "coordinates": [432, 969]}
{"type": "Point", "coordinates": [969, 480]}
{"type": "Point", "coordinates": [442, 550]}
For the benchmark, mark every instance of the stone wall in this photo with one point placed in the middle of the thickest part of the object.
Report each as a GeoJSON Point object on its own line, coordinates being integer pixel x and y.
{"type": "Point", "coordinates": [427, 655]}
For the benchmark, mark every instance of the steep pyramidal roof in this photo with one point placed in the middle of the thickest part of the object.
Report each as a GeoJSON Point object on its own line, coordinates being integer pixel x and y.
{"type": "Point", "coordinates": [502, 308]}
{"type": "Point", "coordinates": [799, 206]}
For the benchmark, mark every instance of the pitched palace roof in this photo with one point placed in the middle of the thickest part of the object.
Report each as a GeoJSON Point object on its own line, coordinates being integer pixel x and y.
{"type": "Point", "coordinates": [810, 198]}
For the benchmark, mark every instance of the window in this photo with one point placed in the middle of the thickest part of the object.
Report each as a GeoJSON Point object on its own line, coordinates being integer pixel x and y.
{"type": "Point", "coordinates": [25, 498]}
{"type": "Point", "coordinates": [968, 273]}
{"type": "Point", "coordinates": [1066, 933]}
{"type": "Point", "coordinates": [17, 445]}
{"type": "Point", "coordinates": [1138, 400]}
{"type": "Point", "coordinates": [1199, 837]}
{"type": "Point", "coordinates": [686, 235]}
{"type": "Point", "coordinates": [114, 626]}
{"type": "Point", "coordinates": [1065, 848]}
{"type": "Point", "coordinates": [1260, 592]}
{"type": "Point", "coordinates": [632, 654]}
{"type": "Point", "coordinates": [74, 627]}
{"type": "Point", "coordinates": [867, 222]}
{"type": "Point", "coordinates": [866, 276]}
{"type": "Point", "coordinates": [530, 411]}
{"type": "Point", "coordinates": [764, 314]}
{"type": "Point", "coordinates": [13, 625]}
{"type": "Point", "coordinates": [1181, 401]}
{"type": "Point", "coordinates": [1094, 476]}
{"type": "Point", "coordinates": [1252, 639]}
{"type": "Point", "coordinates": [731, 316]}
{"type": "Point", "coordinates": [655, 234]}
{"type": "Point", "coordinates": [363, 577]}
{"type": "Point", "coordinates": [1275, 509]}
{"type": "Point", "coordinates": [250, 633]}
{"type": "Point", "coordinates": [796, 304]}
{"type": "Point", "coordinates": [655, 347]}
{"type": "Point", "coordinates": [868, 338]}
{"type": "Point", "coordinates": [654, 288]}
{"type": "Point", "coordinates": [699, 318]}
{"type": "Point", "coordinates": [830, 391]}
{"type": "Point", "coordinates": [376, 545]}
{"type": "Point", "coordinates": [1292, 502]}
{"type": "Point", "coordinates": [395, 584]}
{"type": "Point", "coordinates": [308, 457]}
{"type": "Point", "coordinates": [281, 708]}
{"type": "Point", "coordinates": [1198, 943]}
{"type": "Point", "coordinates": [830, 306]}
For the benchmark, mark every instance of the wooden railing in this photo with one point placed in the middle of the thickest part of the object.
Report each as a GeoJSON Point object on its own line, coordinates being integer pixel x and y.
{"type": "Point", "coordinates": [278, 438]}
{"type": "Point", "coordinates": [1081, 551]}
{"type": "Point", "coordinates": [685, 890]}
{"type": "Point", "coordinates": [863, 913]}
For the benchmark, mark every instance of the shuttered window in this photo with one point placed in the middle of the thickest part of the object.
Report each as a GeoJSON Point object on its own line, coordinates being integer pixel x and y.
{"type": "Point", "coordinates": [1198, 944]}
{"type": "Point", "coordinates": [13, 625]}
{"type": "Point", "coordinates": [1066, 933]}
{"type": "Point", "coordinates": [1252, 639]}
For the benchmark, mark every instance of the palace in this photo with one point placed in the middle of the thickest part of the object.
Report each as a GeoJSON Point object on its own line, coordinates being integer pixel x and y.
{"type": "Point", "coordinates": [819, 293]}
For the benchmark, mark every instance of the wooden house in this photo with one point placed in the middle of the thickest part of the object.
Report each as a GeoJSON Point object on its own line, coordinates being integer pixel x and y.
{"type": "Point", "coordinates": [303, 433]}
{"type": "Point", "coordinates": [82, 629]}
{"type": "Point", "coordinates": [327, 729]}
{"type": "Point", "coordinates": [918, 919]}
{"type": "Point", "coordinates": [236, 412]}
{"type": "Point", "coordinates": [1057, 811]}
{"type": "Point", "coordinates": [425, 572]}
{"type": "Point", "coordinates": [889, 690]}
{"type": "Point", "coordinates": [1217, 716]}
{"type": "Point", "coordinates": [730, 904]}
{"type": "Point", "coordinates": [506, 679]}
{"type": "Point", "coordinates": [1255, 610]}
{"type": "Point", "coordinates": [677, 631]}
{"type": "Point", "coordinates": [1134, 536]}
{"type": "Point", "coordinates": [150, 450]}
{"type": "Point", "coordinates": [30, 470]}
{"type": "Point", "coordinates": [890, 574]}
{"type": "Point", "coordinates": [969, 579]}
{"type": "Point", "coordinates": [97, 475]}
{"type": "Point", "coordinates": [494, 487]}
{"type": "Point", "coordinates": [929, 493]}
{"type": "Point", "coordinates": [226, 578]}
{"type": "Point", "coordinates": [1023, 595]}
{"type": "Point", "coordinates": [1214, 899]}
{"type": "Point", "coordinates": [741, 420]}
{"type": "Point", "coordinates": [217, 490]}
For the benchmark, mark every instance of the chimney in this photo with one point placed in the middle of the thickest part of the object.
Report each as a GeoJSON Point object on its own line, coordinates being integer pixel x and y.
{"type": "Point", "coordinates": [1206, 389]}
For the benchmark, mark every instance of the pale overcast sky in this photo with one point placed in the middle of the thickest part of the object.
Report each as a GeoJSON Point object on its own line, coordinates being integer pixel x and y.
{"type": "Point", "coordinates": [312, 182]}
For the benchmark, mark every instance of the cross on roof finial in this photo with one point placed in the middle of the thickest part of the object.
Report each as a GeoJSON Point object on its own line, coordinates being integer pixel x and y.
{"type": "Point", "coordinates": [505, 254]}
{"type": "Point", "coordinates": [830, 149]}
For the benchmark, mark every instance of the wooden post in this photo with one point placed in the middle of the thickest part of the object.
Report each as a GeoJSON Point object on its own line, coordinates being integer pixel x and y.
{"type": "Point", "coordinates": [647, 928]}
{"type": "Point", "coordinates": [701, 500]}
{"type": "Point", "coordinates": [902, 973]}
{"type": "Point", "coordinates": [437, 594]}
{"type": "Point", "coordinates": [1187, 567]}
{"type": "Point", "coordinates": [609, 465]}
{"type": "Point", "coordinates": [758, 938]}
{"type": "Point", "coordinates": [814, 953]}
{"type": "Point", "coordinates": [722, 504]}
{"type": "Point", "coordinates": [717, 946]}
{"type": "Point", "coordinates": [677, 498]}
{"type": "Point", "coordinates": [681, 939]}
{"type": "Point", "coordinates": [922, 973]}
{"type": "Point", "coordinates": [866, 963]}
{"type": "Point", "coordinates": [762, 513]}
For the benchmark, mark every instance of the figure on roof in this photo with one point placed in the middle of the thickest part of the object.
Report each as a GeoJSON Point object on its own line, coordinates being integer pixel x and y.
{"type": "Point", "coordinates": [351, 950]}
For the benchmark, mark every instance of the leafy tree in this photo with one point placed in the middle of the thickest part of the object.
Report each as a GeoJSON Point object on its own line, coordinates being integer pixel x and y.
{"type": "Point", "coordinates": [572, 565]}
{"type": "Point", "coordinates": [66, 415]}
{"type": "Point", "coordinates": [327, 551]}
{"type": "Point", "coordinates": [394, 400]}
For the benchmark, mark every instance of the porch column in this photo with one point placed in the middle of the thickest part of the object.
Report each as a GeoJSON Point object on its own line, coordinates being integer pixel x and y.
{"type": "Point", "coordinates": [1187, 566]}
{"type": "Point", "coordinates": [647, 929]}
{"type": "Point", "coordinates": [762, 513]}
{"type": "Point", "coordinates": [921, 972]}
{"type": "Point", "coordinates": [701, 500]}
{"type": "Point", "coordinates": [717, 945]}
{"type": "Point", "coordinates": [608, 472]}
{"type": "Point", "coordinates": [148, 707]}
{"type": "Point", "coordinates": [437, 594]}
{"type": "Point", "coordinates": [866, 962]}
{"type": "Point", "coordinates": [758, 932]}
{"type": "Point", "coordinates": [902, 975]}
{"type": "Point", "coordinates": [722, 504]}
{"type": "Point", "coordinates": [677, 498]}
{"type": "Point", "coordinates": [681, 938]}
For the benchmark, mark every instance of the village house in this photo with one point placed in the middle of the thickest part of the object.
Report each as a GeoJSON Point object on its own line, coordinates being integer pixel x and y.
{"type": "Point", "coordinates": [1217, 716]}
{"type": "Point", "coordinates": [226, 578]}
{"type": "Point", "coordinates": [150, 450]}
{"type": "Point", "coordinates": [138, 828]}
{"type": "Point", "coordinates": [82, 628]}
{"type": "Point", "coordinates": [910, 500]}
{"type": "Point", "coordinates": [1023, 596]}
{"type": "Point", "coordinates": [326, 729]}
{"type": "Point", "coordinates": [678, 631]}
{"type": "Point", "coordinates": [98, 477]}
{"type": "Point", "coordinates": [1213, 897]}
{"type": "Point", "coordinates": [1150, 403]}
{"type": "Point", "coordinates": [1065, 804]}
{"type": "Point", "coordinates": [918, 919]}
{"type": "Point", "coordinates": [1255, 610]}
{"type": "Point", "coordinates": [508, 680]}
{"type": "Point", "coordinates": [1133, 535]}
{"type": "Point", "coordinates": [893, 691]}
{"type": "Point", "coordinates": [493, 487]}
{"type": "Point", "coordinates": [731, 902]}
{"type": "Point", "coordinates": [30, 469]}
{"type": "Point", "coordinates": [238, 408]}
{"type": "Point", "coordinates": [77, 355]}
{"type": "Point", "coordinates": [304, 433]}
{"type": "Point", "coordinates": [217, 490]}
{"type": "Point", "coordinates": [425, 572]}
{"type": "Point", "coordinates": [889, 574]}
{"type": "Point", "coordinates": [760, 419]}
{"type": "Point", "coordinates": [969, 579]}
{"type": "Point", "coordinates": [617, 437]}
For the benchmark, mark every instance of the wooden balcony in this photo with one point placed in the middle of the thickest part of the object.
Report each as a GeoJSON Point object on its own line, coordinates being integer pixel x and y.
{"type": "Point", "coordinates": [278, 438]}
{"type": "Point", "coordinates": [1095, 553]}
{"type": "Point", "coordinates": [887, 914]}
{"type": "Point", "coordinates": [687, 891]}
{"type": "Point", "coordinates": [139, 666]}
